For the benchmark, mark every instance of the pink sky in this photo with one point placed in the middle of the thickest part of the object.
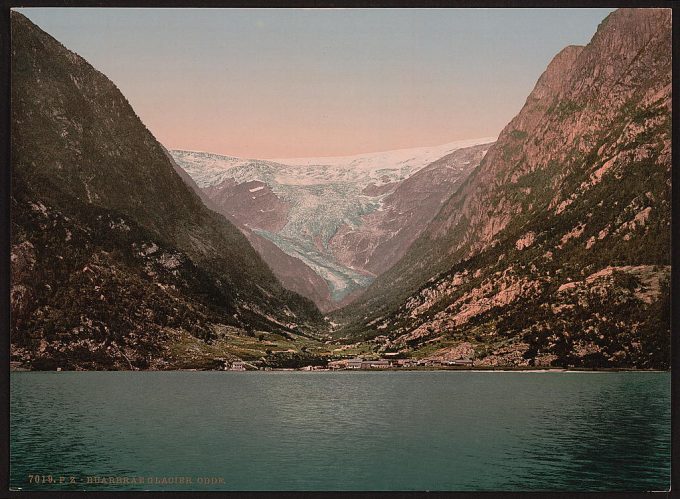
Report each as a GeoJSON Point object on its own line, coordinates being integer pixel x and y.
{"type": "Point", "coordinates": [277, 83]}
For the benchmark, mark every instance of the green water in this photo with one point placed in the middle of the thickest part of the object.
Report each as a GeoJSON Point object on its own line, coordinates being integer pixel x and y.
{"type": "Point", "coordinates": [343, 430]}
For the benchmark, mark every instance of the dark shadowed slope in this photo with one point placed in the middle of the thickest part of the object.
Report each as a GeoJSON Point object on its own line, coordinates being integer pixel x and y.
{"type": "Point", "coordinates": [110, 248]}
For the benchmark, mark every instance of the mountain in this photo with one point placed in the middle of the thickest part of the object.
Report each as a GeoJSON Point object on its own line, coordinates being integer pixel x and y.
{"type": "Point", "coordinates": [114, 258]}
{"type": "Point", "coordinates": [556, 249]}
{"type": "Point", "coordinates": [290, 271]}
{"type": "Point", "coordinates": [339, 220]}
{"type": "Point", "coordinates": [383, 236]}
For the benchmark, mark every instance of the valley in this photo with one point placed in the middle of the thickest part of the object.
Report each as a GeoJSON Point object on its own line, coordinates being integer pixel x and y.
{"type": "Point", "coordinates": [346, 218]}
{"type": "Point", "coordinates": [547, 246]}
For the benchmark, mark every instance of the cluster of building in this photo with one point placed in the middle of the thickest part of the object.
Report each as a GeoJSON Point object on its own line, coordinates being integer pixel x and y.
{"type": "Point", "coordinates": [239, 366]}
{"type": "Point", "coordinates": [358, 363]}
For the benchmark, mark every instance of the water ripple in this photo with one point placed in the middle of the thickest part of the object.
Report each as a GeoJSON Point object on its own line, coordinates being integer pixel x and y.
{"type": "Point", "coordinates": [347, 431]}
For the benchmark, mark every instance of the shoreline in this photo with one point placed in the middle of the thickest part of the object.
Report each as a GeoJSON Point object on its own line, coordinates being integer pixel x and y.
{"type": "Point", "coordinates": [488, 370]}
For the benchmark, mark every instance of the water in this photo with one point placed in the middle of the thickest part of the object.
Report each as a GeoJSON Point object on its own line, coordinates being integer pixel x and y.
{"type": "Point", "coordinates": [343, 430]}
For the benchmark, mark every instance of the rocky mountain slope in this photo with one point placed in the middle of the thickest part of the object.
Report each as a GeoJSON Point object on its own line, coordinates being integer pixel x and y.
{"type": "Point", "coordinates": [556, 250]}
{"type": "Point", "coordinates": [113, 256]}
{"type": "Point", "coordinates": [383, 236]}
{"type": "Point", "coordinates": [346, 219]}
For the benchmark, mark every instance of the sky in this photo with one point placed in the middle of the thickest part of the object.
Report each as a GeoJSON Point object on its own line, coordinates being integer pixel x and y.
{"type": "Point", "coordinates": [278, 83]}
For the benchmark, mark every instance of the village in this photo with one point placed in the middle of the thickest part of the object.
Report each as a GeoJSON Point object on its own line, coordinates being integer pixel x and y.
{"type": "Point", "coordinates": [356, 364]}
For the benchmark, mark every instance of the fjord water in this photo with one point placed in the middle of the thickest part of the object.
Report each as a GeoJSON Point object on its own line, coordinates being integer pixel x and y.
{"type": "Point", "coordinates": [442, 430]}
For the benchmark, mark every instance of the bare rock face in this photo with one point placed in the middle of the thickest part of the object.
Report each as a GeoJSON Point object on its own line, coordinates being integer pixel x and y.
{"type": "Point", "coordinates": [579, 181]}
{"type": "Point", "coordinates": [252, 203]}
{"type": "Point", "coordinates": [378, 190]}
{"type": "Point", "coordinates": [577, 102]}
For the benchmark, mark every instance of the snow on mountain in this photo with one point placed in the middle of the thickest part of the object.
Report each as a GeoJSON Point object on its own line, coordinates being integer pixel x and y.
{"type": "Point", "coordinates": [314, 196]}
{"type": "Point", "coordinates": [411, 158]}
{"type": "Point", "coordinates": [210, 169]}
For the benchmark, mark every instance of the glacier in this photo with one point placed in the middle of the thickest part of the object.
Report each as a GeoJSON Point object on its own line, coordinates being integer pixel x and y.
{"type": "Point", "coordinates": [322, 194]}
